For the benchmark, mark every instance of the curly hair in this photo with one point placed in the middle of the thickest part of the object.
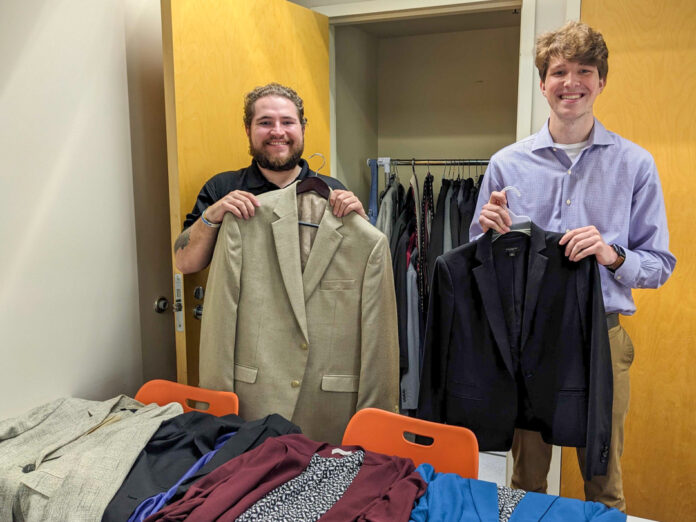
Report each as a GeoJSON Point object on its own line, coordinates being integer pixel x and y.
{"type": "Point", "coordinates": [576, 42]}
{"type": "Point", "coordinates": [272, 89]}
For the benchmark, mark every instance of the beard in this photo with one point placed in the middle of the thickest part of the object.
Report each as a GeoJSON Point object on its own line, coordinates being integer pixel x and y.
{"type": "Point", "coordinates": [277, 164]}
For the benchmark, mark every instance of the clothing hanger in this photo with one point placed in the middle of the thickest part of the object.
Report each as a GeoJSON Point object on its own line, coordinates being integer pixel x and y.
{"type": "Point", "coordinates": [323, 160]}
{"type": "Point", "coordinates": [319, 186]}
{"type": "Point", "coordinates": [520, 223]}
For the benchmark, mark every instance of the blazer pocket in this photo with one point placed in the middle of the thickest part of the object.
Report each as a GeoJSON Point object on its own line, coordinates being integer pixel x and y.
{"type": "Point", "coordinates": [245, 374]}
{"type": "Point", "coordinates": [464, 391]}
{"type": "Point", "coordinates": [340, 383]}
{"type": "Point", "coordinates": [569, 426]}
{"type": "Point", "coordinates": [337, 284]}
{"type": "Point", "coordinates": [43, 482]}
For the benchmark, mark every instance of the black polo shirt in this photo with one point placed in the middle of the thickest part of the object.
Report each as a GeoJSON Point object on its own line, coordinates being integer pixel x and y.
{"type": "Point", "coordinates": [248, 179]}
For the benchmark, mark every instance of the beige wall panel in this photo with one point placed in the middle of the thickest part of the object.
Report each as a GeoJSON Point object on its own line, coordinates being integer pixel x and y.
{"type": "Point", "coordinates": [215, 52]}
{"type": "Point", "coordinates": [649, 100]}
{"type": "Point", "coordinates": [449, 95]}
{"type": "Point", "coordinates": [356, 107]}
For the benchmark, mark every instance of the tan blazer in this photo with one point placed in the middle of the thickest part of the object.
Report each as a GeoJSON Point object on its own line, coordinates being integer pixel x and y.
{"type": "Point", "coordinates": [313, 345]}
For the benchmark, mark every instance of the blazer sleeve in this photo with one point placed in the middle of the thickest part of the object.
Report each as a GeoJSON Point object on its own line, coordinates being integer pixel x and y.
{"type": "Point", "coordinates": [601, 382]}
{"type": "Point", "coordinates": [436, 348]}
{"type": "Point", "coordinates": [219, 325]}
{"type": "Point", "coordinates": [379, 348]}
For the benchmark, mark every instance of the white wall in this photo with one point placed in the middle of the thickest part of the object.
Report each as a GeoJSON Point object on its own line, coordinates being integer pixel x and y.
{"type": "Point", "coordinates": [69, 319]}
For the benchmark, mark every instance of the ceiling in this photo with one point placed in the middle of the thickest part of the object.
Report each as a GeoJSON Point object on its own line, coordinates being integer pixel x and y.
{"type": "Point", "coordinates": [442, 24]}
{"type": "Point", "coordinates": [431, 24]}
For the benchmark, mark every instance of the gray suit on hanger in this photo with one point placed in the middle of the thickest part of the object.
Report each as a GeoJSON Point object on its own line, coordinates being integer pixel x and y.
{"type": "Point", "coordinates": [65, 460]}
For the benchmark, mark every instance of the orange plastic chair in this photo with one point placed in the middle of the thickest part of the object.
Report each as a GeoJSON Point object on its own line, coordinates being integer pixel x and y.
{"type": "Point", "coordinates": [163, 392]}
{"type": "Point", "coordinates": [454, 449]}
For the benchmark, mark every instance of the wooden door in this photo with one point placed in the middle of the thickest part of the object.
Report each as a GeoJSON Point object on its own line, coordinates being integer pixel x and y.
{"type": "Point", "coordinates": [649, 100]}
{"type": "Point", "coordinates": [214, 52]}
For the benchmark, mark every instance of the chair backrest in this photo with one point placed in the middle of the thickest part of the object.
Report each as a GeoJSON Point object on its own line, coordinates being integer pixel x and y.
{"type": "Point", "coordinates": [453, 449]}
{"type": "Point", "coordinates": [191, 398]}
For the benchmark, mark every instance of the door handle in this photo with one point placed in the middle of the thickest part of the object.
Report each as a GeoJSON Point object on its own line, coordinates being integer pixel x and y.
{"type": "Point", "coordinates": [161, 305]}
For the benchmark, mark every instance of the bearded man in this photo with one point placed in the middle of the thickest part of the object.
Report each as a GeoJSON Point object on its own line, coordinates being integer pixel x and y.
{"type": "Point", "coordinates": [275, 123]}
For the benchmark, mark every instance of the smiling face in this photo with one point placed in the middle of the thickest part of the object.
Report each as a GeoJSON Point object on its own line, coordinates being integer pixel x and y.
{"type": "Point", "coordinates": [276, 135]}
{"type": "Point", "coordinates": [571, 89]}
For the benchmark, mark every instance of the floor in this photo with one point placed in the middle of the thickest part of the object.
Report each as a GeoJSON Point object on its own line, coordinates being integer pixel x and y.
{"type": "Point", "coordinates": [492, 466]}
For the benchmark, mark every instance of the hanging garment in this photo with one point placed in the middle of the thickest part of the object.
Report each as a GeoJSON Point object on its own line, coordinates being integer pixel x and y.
{"type": "Point", "coordinates": [437, 233]}
{"type": "Point", "coordinates": [309, 333]}
{"type": "Point", "coordinates": [372, 209]}
{"type": "Point", "coordinates": [410, 381]}
{"type": "Point", "coordinates": [389, 208]}
{"type": "Point", "coordinates": [408, 213]}
{"type": "Point", "coordinates": [455, 218]}
{"type": "Point", "coordinates": [467, 206]}
{"type": "Point", "coordinates": [400, 259]}
{"type": "Point", "coordinates": [453, 498]}
{"type": "Point", "coordinates": [384, 488]}
{"type": "Point", "coordinates": [447, 232]}
{"type": "Point", "coordinates": [509, 345]}
{"type": "Point", "coordinates": [65, 460]}
{"type": "Point", "coordinates": [427, 213]}
{"type": "Point", "coordinates": [177, 445]}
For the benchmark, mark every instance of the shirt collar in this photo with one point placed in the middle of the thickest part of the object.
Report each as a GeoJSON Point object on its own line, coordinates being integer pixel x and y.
{"type": "Point", "coordinates": [257, 179]}
{"type": "Point", "coordinates": [598, 136]}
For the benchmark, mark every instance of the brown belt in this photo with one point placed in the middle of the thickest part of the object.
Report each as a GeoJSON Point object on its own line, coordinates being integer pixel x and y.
{"type": "Point", "coordinates": [612, 321]}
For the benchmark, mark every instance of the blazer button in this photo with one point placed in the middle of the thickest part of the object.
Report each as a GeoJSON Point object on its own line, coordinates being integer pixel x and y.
{"type": "Point", "coordinates": [304, 346]}
{"type": "Point", "coordinates": [295, 383]}
{"type": "Point", "coordinates": [28, 468]}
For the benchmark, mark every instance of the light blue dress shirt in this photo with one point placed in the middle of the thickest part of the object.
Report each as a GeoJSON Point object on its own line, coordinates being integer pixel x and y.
{"type": "Point", "coordinates": [613, 184]}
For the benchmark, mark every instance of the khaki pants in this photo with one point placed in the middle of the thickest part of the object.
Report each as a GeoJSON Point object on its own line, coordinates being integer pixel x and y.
{"type": "Point", "coordinates": [532, 456]}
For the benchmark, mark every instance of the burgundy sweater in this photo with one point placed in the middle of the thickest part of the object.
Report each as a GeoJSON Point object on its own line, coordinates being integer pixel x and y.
{"type": "Point", "coordinates": [384, 489]}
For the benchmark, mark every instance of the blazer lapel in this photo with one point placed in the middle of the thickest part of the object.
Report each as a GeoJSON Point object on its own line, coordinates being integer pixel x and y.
{"type": "Point", "coordinates": [287, 246]}
{"type": "Point", "coordinates": [488, 287]}
{"type": "Point", "coordinates": [326, 243]}
{"type": "Point", "coordinates": [536, 269]}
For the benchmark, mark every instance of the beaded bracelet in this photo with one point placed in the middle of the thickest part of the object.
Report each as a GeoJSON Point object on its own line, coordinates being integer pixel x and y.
{"type": "Point", "coordinates": [208, 223]}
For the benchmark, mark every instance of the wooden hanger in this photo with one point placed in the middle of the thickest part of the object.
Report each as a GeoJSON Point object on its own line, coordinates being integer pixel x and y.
{"type": "Point", "coordinates": [319, 186]}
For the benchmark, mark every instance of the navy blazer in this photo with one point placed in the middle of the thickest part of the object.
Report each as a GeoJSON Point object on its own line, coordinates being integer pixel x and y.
{"type": "Point", "coordinates": [471, 377]}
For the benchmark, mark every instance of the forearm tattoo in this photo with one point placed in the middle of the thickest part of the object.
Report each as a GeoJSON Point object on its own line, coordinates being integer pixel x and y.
{"type": "Point", "coordinates": [182, 240]}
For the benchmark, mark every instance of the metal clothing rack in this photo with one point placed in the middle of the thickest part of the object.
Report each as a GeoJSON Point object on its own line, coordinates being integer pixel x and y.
{"type": "Point", "coordinates": [386, 163]}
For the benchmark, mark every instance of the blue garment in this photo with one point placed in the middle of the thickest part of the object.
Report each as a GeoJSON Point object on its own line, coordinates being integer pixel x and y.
{"type": "Point", "coordinates": [155, 503]}
{"type": "Point", "coordinates": [372, 209]}
{"type": "Point", "coordinates": [451, 498]}
{"type": "Point", "coordinates": [613, 184]}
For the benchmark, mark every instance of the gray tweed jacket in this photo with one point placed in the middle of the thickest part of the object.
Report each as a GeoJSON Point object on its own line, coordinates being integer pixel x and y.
{"type": "Point", "coordinates": [65, 460]}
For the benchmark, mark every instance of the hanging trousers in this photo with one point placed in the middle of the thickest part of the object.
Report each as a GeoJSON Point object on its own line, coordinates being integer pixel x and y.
{"type": "Point", "coordinates": [532, 456]}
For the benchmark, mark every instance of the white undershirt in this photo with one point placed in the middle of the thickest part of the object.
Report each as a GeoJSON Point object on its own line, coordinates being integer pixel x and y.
{"type": "Point", "coordinates": [571, 149]}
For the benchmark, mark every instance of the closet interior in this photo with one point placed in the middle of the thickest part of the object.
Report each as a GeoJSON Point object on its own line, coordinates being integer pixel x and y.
{"type": "Point", "coordinates": [434, 87]}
